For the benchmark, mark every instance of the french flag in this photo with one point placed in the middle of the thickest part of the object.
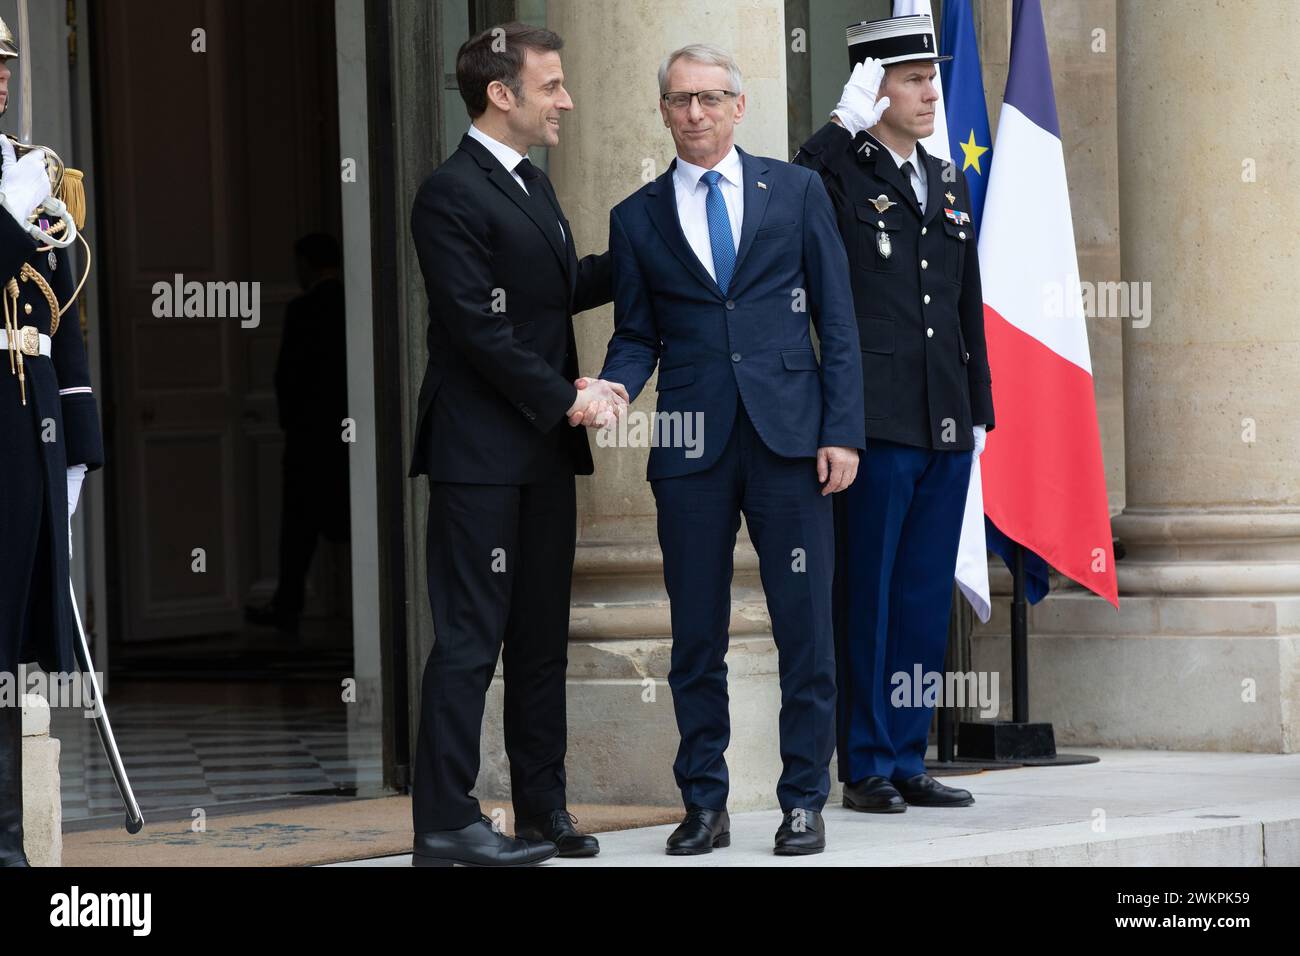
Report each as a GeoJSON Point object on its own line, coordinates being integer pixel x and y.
{"type": "Point", "coordinates": [1044, 481]}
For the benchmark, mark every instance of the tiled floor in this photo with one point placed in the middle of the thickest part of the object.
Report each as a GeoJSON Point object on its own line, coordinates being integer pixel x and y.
{"type": "Point", "coordinates": [196, 745]}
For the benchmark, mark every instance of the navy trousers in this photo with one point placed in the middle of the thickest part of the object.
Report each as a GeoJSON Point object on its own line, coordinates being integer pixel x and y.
{"type": "Point", "coordinates": [792, 526]}
{"type": "Point", "coordinates": [897, 530]}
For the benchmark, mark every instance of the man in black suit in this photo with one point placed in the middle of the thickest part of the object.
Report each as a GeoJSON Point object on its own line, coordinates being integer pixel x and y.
{"type": "Point", "coordinates": [311, 393]}
{"type": "Point", "coordinates": [495, 436]}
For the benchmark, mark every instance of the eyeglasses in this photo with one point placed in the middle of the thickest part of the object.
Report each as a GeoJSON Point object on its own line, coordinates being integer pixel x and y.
{"type": "Point", "coordinates": [709, 99]}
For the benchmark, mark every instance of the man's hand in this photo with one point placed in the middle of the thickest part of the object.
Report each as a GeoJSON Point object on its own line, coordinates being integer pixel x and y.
{"type": "Point", "coordinates": [839, 465]}
{"type": "Point", "coordinates": [599, 403]}
{"type": "Point", "coordinates": [24, 183]}
{"type": "Point", "coordinates": [858, 108]}
{"type": "Point", "coordinates": [979, 440]}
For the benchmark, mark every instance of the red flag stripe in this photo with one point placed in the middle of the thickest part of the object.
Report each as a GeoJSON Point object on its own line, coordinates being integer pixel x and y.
{"type": "Point", "coordinates": [1044, 479]}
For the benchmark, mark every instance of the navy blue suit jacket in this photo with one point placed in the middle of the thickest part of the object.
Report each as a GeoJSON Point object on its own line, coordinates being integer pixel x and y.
{"type": "Point", "coordinates": [753, 343]}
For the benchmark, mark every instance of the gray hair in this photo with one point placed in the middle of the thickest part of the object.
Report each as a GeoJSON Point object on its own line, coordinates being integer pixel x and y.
{"type": "Point", "coordinates": [701, 53]}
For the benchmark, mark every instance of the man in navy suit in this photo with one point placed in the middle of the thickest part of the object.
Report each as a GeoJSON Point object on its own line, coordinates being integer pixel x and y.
{"type": "Point", "coordinates": [719, 265]}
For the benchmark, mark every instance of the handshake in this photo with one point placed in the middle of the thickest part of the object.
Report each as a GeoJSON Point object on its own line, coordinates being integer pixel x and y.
{"type": "Point", "coordinates": [599, 403]}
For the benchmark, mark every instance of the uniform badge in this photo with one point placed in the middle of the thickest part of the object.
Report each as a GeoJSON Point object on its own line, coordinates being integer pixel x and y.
{"type": "Point", "coordinates": [883, 245]}
{"type": "Point", "coordinates": [952, 200]}
{"type": "Point", "coordinates": [882, 203]}
{"type": "Point", "coordinates": [957, 217]}
{"type": "Point", "coordinates": [54, 261]}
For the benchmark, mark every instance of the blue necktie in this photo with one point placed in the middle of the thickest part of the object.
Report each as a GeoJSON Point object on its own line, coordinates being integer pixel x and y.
{"type": "Point", "coordinates": [724, 250]}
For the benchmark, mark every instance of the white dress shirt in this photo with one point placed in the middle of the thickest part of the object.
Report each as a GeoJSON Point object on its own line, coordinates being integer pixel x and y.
{"type": "Point", "coordinates": [691, 194]}
{"type": "Point", "coordinates": [918, 177]}
{"type": "Point", "coordinates": [507, 156]}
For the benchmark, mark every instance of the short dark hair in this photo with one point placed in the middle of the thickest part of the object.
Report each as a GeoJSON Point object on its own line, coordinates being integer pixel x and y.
{"type": "Point", "coordinates": [318, 250]}
{"type": "Point", "coordinates": [498, 54]}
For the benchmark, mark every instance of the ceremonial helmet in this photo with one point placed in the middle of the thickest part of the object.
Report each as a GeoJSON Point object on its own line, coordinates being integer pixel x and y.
{"type": "Point", "coordinates": [894, 40]}
{"type": "Point", "coordinates": [8, 45]}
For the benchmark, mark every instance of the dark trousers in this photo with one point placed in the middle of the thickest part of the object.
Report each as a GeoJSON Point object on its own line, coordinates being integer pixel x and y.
{"type": "Point", "coordinates": [314, 504]}
{"type": "Point", "coordinates": [897, 528]}
{"type": "Point", "coordinates": [24, 552]}
{"type": "Point", "coordinates": [791, 525]}
{"type": "Point", "coordinates": [24, 537]}
{"type": "Point", "coordinates": [500, 563]}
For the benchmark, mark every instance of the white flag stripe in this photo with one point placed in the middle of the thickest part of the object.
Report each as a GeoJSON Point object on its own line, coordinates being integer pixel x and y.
{"type": "Point", "coordinates": [1024, 281]}
{"type": "Point", "coordinates": [936, 144]}
{"type": "Point", "coordinates": [972, 551]}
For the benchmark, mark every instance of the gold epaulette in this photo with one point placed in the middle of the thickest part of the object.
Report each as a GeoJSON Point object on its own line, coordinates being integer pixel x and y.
{"type": "Point", "coordinates": [73, 193]}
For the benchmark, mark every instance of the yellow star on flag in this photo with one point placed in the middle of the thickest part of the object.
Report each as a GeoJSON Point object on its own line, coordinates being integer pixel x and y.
{"type": "Point", "coordinates": [973, 154]}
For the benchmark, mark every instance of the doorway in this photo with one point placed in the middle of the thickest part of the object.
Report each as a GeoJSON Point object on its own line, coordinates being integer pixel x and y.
{"type": "Point", "coordinates": [217, 150]}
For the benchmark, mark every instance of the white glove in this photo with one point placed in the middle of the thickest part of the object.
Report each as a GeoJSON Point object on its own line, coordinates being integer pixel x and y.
{"type": "Point", "coordinates": [75, 475]}
{"type": "Point", "coordinates": [24, 183]}
{"type": "Point", "coordinates": [858, 108]}
{"type": "Point", "coordinates": [980, 438]}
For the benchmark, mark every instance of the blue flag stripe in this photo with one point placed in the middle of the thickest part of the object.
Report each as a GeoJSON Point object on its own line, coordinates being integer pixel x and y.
{"type": "Point", "coordinates": [963, 96]}
{"type": "Point", "coordinates": [1037, 581]}
{"type": "Point", "coordinates": [1029, 82]}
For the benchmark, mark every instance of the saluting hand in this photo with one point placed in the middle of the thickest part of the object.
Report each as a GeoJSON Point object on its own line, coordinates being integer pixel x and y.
{"type": "Point", "coordinates": [858, 108]}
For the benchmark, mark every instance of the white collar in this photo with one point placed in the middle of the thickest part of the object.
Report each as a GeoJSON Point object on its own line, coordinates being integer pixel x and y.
{"type": "Point", "coordinates": [729, 166]}
{"type": "Point", "coordinates": [507, 156]}
{"type": "Point", "coordinates": [899, 160]}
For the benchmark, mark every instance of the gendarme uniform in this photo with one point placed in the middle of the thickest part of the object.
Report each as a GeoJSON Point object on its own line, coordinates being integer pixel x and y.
{"type": "Point", "coordinates": [48, 422]}
{"type": "Point", "coordinates": [916, 289]}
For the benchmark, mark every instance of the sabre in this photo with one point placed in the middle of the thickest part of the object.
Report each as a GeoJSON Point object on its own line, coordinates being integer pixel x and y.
{"type": "Point", "coordinates": [25, 97]}
{"type": "Point", "coordinates": [134, 819]}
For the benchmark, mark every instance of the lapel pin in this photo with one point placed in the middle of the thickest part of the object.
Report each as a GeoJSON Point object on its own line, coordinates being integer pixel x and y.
{"type": "Point", "coordinates": [952, 200]}
{"type": "Point", "coordinates": [760, 184]}
{"type": "Point", "coordinates": [883, 203]}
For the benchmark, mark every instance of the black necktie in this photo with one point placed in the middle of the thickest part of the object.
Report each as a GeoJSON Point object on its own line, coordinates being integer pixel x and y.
{"type": "Point", "coordinates": [906, 170]}
{"type": "Point", "coordinates": [541, 203]}
{"type": "Point", "coordinates": [527, 171]}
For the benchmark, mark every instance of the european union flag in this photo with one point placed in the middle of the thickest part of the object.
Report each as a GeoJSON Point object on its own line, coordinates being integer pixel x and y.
{"type": "Point", "coordinates": [963, 97]}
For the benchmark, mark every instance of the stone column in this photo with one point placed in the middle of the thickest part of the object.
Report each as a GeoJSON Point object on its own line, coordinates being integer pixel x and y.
{"type": "Point", "coordinates": [1211, 587]}
{"type": "Point", "coordinates": [1204, 652]}
{"type": "Point", "coordinates": [622, 734]}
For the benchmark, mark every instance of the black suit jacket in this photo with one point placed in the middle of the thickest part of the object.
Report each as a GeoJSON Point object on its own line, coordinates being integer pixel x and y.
{"type": "Point", "coordinates": [920, 308]}
{"type": "Point", "coordinates": [503, 287]}
{"type": "Point", "coordinates": [311, 381]}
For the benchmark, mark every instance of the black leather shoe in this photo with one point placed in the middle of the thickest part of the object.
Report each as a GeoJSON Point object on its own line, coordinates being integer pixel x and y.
{"type": "Point", "coordinates": [11, 786]}
{"type": "Point", "coordinates": [874, 795]}
{"type": "Point", "coordinates": [557, 827]}
{"type": "Point", "coordinates": [801, 833]}
{"type": "Point", "coordinates": [477, 845]}
{"type": "Point", "coordinates": [700, 832]}
{"type": "Point", "coordinates": [924, 791]}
